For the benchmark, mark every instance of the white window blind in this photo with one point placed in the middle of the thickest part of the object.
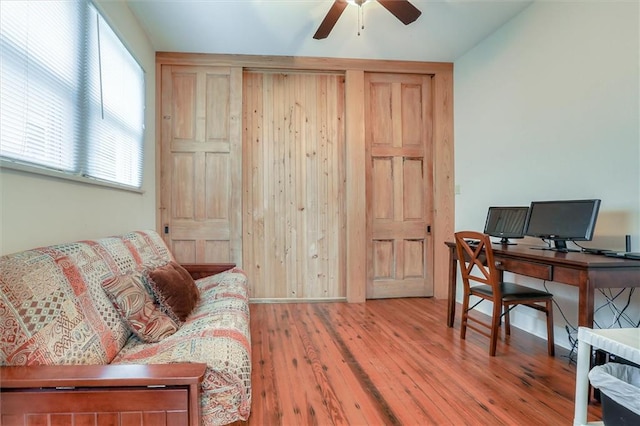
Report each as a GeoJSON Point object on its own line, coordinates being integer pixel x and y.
{"type": "Point", "coordinates": [72, 96]}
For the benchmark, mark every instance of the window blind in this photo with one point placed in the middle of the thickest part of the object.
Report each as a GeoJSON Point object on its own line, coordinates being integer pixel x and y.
{"type": "Point", "coordinates": [72, 95]}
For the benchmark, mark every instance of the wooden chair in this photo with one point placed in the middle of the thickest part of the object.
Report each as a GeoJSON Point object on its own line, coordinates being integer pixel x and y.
{"type": "Point", "coordinates": [477, 265]}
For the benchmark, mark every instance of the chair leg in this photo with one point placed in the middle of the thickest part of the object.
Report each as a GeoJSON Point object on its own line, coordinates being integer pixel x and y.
{"type": "Point", "coordinates": [550, 339]}
{"type": "Point", "coordinates": [495, 327]}
{"type": "Point", "coordinates": [507, 321]}
{"type": "Point", "coordinates": [465, 316]}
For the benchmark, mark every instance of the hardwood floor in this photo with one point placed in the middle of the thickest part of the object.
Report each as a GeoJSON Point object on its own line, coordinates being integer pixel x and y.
{"type": "Point", "coordinates": [394, 362]}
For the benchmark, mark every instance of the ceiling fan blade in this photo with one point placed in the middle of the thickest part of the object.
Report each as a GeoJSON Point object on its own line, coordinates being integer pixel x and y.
{"type": "Point", "coordinates": [401, 9]}
{"type": "Point", "coordinates": [330, 20]}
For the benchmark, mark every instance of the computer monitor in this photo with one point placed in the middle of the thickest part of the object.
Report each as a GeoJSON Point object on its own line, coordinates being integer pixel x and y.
{"type": "Point", "coordinates": [562, 221]}
{"type": "Point", "coordinates": [506, 222]}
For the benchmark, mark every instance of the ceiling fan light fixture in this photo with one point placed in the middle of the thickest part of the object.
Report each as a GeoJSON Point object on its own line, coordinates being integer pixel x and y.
{"type": "Point", "coordinates": [401, 9]}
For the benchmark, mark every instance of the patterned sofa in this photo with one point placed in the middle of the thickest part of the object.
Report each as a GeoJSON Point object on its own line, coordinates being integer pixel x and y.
{"type": "Point", "coordinates": [55, 311]}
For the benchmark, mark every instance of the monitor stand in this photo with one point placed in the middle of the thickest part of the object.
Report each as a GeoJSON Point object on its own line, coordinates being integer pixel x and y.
{"type": "Point", "coordinates": [558, 245]}
{"type": "Point", "coordinates": [505, 242]}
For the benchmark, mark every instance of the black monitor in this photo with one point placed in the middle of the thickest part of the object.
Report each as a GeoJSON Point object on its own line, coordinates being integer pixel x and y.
{"type": "Point", "coordinates": [506, 222]}
{"type": "Point", "coordinates": [562, 221]}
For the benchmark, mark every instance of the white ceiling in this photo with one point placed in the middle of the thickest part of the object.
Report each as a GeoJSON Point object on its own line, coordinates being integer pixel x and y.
{"type": "Point", "coordinates": [445, 30]}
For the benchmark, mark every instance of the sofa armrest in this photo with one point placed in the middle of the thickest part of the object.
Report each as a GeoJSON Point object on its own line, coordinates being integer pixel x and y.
{"type": "Point", "coordinates": [58, 376]}
{"type": "Point", "coordinates": [117, 391]}
{"type": "Point", "coordinates": [201, 270]}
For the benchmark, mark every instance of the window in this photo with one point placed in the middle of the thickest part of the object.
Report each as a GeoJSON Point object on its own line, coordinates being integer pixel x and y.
{"type": "Point", "coordinates": [71, 94]}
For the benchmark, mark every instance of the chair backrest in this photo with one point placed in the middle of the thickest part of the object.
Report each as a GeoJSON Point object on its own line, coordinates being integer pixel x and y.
{"type": "Point", "coordinates": [476, 261]}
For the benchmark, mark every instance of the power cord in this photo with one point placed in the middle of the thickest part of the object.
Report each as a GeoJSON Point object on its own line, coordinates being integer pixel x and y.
{"type": "Point", "coordinates": [548, 243]}
{"type": "Point", "coordinates": [619, 316]}
{"type": "Point", "coordinates": [618, 313]}
{"type": "Point", "coordinates": [571, 330]}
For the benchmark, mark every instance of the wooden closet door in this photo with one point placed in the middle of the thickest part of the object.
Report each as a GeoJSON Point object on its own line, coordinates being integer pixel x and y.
{"type": "Point", "coordinates": [399, 176]}
{"type": "Point", "coordinates": [294, 224]}
{"type": "Point", "coordinates": [201, 163]}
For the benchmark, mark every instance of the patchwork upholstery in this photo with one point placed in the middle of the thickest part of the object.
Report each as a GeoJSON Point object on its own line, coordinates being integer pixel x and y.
{"type": "Point", "coordinates": [53, 308]}
{"type": "Point", "coordinates": [133, 301]}
{"type": "Point", "coordinates": [55, 311]}
{"type": "Point", "coordinates": [216, 333]}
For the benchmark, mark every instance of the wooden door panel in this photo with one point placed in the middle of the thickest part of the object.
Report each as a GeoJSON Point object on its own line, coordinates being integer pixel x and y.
{"type": "Point", "coordinates": [217, 250]}
{"type": "Point", "coordinates": [413, 191]}
{"type": "Point", "coordinates": [184, 85]}
{"type": "Point", "coordinates": [216, 175]}
{"type": "Point", "coordinates": [413, 266]}
{"type": "Point", "coordinates": [201, 231]}
{"type": "Point", "coordinates": [202, 187]}
{"type": "Point", "coordinates": [183, 190]}
{"type": "Point", "coordinates": [411, 287]}
{"type": "Point", "coordinates": [383, 259]}
{"type": "Point", "coordinates": [218, 100]}
{"type": "Point", "coordinates": [399, 186]}
{"type": "Point", "coordinates": [211, 249]}
{"type": "Point", "coordinates": [392, 230]}
{"type": "Point", "coordinates": [380, 108]}
{"type": "Point", "coordinates": [184, 250]}
{"type": "Point", "coordinates": [412, 122]}
{"type": "Point", "coordinates": [201, 160]}
{"type": "Point", "coordinates": [383, 182]}
{"type": "Point", "coordinates": [294, 168]}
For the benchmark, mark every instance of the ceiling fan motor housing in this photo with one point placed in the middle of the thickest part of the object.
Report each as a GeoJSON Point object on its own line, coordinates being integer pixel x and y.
{"type": "Point", "coordinates": [401, 9]}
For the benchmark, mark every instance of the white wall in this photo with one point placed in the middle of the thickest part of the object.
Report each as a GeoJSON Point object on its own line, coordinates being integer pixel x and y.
{"type": "Point", "coordinates": [548, 108]}
{"type": "Point", "coordinates": [37, 210]}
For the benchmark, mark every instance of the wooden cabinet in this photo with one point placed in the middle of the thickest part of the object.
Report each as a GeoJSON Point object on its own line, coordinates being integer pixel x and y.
{"type": "Point", "coordinates": [136, 406]}
{"type": "Point", "coordinates": [152, 395]}
{"type": "Point", "coordinates": [263, 162]}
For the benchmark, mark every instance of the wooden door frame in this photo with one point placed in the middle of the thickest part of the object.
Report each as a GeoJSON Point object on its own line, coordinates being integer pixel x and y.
{"type": "Point", "coordinates": [354, 69]}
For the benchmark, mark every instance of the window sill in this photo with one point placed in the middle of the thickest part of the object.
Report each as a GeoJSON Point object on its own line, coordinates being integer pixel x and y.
{"type": "Point", "coordinates": [24, 168]}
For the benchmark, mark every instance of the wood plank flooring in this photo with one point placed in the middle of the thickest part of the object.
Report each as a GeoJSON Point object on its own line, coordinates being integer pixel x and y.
{"type": "Point", "coordinates": [394, 362]}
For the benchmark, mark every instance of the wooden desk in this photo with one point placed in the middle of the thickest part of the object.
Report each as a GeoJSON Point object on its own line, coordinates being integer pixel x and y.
{"type": "Point", "coordinates": [582, 270]}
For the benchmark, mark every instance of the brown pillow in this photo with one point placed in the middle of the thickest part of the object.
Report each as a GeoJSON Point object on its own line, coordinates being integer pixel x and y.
{"type": "Point", "coordinates": [129, 295]}
{"type": "Point", "coordinates": [174, 287]}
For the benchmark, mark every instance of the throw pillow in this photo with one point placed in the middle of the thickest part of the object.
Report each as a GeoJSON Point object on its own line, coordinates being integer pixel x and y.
{"type": "Point", "coordinates": [130, 297]}
{"type": "Point", "coordinates": [174, 287]}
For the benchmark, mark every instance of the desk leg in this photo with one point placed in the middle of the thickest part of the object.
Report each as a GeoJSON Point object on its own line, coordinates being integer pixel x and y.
{"type": "Point", "coordinates": [451, 297]}
{"type": "Point", "coordinates": [582, 383]}
{"type": "Point", "coordinates": [586, 296]}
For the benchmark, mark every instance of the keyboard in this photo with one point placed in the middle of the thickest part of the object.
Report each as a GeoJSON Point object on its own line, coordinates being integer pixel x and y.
{"type": "Point", "coordinates": [591, 250]}
{"type": "Point", "coordinates": [624, 255]}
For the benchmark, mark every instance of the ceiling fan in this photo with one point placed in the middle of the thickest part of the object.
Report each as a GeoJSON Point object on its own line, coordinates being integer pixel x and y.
{"type": "Point", "coordinates": [401, 9]}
